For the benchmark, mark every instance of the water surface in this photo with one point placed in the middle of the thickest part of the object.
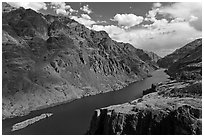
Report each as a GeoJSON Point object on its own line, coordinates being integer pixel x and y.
{"type": "Point", "coordinates": [74, 117]}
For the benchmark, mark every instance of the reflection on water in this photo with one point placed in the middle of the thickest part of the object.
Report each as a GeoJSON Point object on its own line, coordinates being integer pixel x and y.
{"type": "Point", "coordinates": [75, 117]}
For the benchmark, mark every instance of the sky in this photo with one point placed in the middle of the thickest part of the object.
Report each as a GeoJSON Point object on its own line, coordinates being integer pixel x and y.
{"type": "Point", "coordinates": [160, 27]}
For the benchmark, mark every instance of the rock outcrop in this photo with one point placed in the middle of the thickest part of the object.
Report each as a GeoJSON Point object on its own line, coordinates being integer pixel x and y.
{"type": "Point", "coordinates": [47, 60]}
{"type": "Point", "coordinates": [185, 63]}
{"type": "Point", "coordinates": [174, 108]}
{"type": "Point", "coordinates": [168, 108]}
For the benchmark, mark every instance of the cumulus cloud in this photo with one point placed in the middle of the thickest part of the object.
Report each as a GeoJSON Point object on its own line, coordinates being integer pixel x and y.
{"type": "Point", "coordinates": [186, 11]}
{"type": "Point", "coordinates": [32, 5]}
{"type": "Point", "coordinates": [85, 16]}
{"type": "Point", "coordinates": [190, 11]}
{"type": "Point", "coordinates": [84, 19]}
{"type": "Point", "coordinates": [62, 8]}
{"type": "Point", "coordinates": [112, 30]}
{"type": "Point", "coordinates": [182, 10]}
{"type": "Point", "coordinates": [151, 16]}
{"type": "Point", "coordinates": [161, 35]}
{"type": "Point", "coordinates": [178, 24]}
{"type": "Point", "coordinates": [86, 9]}
{"type": "Point", "coordinates": [161, 38]}
{"type": "Point", "coordinates": [61, 11]}
{"type": "Point", "coordinates": [127, 20]}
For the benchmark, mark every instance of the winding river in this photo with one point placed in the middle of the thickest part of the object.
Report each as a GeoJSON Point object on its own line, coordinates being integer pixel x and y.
{"type": "Point", "coordinates": [74, 117]}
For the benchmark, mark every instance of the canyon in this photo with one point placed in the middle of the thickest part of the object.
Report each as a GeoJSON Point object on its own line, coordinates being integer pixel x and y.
{"type": "Point", "coordinates": [52, 60]}
{"type": "Point", "coordinates": [173, 107]}
{"type": "Point", "coordinates": [48, 60]}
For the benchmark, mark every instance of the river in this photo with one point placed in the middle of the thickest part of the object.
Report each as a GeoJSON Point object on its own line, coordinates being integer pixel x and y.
{"type": "Point", "coordinates": [74, 117]}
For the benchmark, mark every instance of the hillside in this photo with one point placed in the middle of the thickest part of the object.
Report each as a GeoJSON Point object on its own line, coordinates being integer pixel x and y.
{"type": "Point", "coordinates": [48, 60]}
{"type": "Point", "coordinates": [186, 62]}
{"type": "Point", "coordinates": [149, 57]}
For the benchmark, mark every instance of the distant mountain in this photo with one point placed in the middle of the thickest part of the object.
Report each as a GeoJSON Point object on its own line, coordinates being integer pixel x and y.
{"type": "Point", "coordinates": [149, 57]}
{"type": "Point", "coordinates": [47, 60]}
{"type": "Point", "coordinates": [186, 62]}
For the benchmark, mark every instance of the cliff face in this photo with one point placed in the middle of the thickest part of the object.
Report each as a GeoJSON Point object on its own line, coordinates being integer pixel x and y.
{"type": "Point", "coordinates": [173, 108]}
{"type": "Point", "coordinates": [186, 62]}
{"type": "Point", "coordinates": [48, 59]}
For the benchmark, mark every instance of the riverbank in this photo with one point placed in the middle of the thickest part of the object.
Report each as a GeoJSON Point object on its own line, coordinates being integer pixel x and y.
{"type": "Point", "coordinates": [170, 107]}
{"type": "Point", "coordinates": [78, 113]}
{"type": "Point", "coordinates": [116, 87]}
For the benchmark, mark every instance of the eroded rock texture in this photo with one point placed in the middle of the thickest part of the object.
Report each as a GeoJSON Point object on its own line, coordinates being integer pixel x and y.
{"type": "Point", "coordinates": [173, 109]}
{"type": "Point", "coordinates": [47, 60]}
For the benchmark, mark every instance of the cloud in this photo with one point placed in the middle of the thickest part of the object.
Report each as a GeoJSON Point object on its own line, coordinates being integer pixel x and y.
{"type": "Point", "coordinates": [190, 11]}
{"type": "Point", "coordinates": [32, 5]}
{"type": "Point", "coordinates": [112, 30]}
{"type": "Point", "coordinates": [164, 32]}
{"type": "Point", "coordinates": [157, 24]}
{"type": "Point", "coordinates": [85, 16]}
{"type": "Point", "coordinates": [86, 9]}
{"type": "Point", "coordinates": [165, 38]}
{"type": "Point", "coordinates": [182, 10]}
{"type": "Point", "coordinates": [177, 20]}
{"type": "Point", "coordinates": [162, 38]}
{"type": "Point", "coordinates": [84, 19]}
{"type": "Point", "coordinates": [151, 16]}
{"type": "Point", "coordinates": [193, 18]}
{"type": "Point", "coordinates": [156, 5]}
{"type": "Point", "coordinates": [62, 8]}
{"type": "Point", "coordinates": [61, 11]}
{"type": "Point", "coordinates": [127, 20]}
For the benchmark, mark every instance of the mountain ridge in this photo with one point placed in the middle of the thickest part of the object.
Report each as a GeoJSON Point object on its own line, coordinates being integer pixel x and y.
{"type": "Point", "coordinates": [48, 60]}
{"type": "Point", "coordinates": [186, 62]}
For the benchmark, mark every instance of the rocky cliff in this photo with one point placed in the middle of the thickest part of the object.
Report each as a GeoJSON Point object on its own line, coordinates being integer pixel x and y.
{"type": "Point", "coordinates": [186, 62]}
{"type": "Point", "coordinates": [173, 108]}
{"type": "Point", "coordinates": [47, 60]}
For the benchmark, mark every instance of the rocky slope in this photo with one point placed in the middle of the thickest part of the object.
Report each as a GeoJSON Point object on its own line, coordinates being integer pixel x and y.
{"type": "Point", "coordinates": [47, 60]}
{"type": "Point", "coordinates": [149, 57]}
{"type": "Point", "coordinates": [174, 108]}
{"type": "Point", "coordinates": [186, 62]}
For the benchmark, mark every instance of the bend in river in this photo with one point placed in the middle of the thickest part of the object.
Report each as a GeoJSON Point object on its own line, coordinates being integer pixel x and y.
{"type": "Point", "coordinates": [74, 117]}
